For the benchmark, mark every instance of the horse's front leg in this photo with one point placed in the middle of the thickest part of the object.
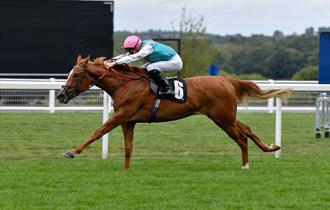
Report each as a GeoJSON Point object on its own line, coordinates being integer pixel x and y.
{"type": "Point", "coordinates": [128, 131]}
{"type": "Point", "coordinates": [105, 128]}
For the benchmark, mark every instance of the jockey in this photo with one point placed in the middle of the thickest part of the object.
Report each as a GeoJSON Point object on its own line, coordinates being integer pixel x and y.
{"type": "Point", "coordinates": [158, 58]}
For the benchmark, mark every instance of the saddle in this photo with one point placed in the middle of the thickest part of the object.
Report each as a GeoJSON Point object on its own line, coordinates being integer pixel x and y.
{"type": "Point", "coordinates": [179, 87]}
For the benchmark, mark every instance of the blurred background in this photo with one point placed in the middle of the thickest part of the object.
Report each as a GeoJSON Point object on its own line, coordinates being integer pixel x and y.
{"type": "Point", "coordinates": [246, 39]}
{"type": "Point", "coordinates": [255, 40]}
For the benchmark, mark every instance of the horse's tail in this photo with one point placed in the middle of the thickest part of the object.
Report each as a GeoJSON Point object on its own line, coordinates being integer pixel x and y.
{"type": "Point", "coordinates": [245, 88]}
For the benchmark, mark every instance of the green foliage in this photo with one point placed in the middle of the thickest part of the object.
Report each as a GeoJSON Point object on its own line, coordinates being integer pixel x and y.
{"type": "Point", "coordinates": [251, 77]}
{"type": "Point", "coordinates": [284, 63]}
{"type": "Point", "coordinates": [275, 57]}
{"type": "Point", "coordinates": [278, 56]}
{"type": "Point", "coordinates": [307, 73]}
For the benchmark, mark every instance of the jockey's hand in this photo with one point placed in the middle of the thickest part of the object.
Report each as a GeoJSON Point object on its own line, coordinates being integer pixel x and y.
{"type": "Point", "coordinates": [108, 64]}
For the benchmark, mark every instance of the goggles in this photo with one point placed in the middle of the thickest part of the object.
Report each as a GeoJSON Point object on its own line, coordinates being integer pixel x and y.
{"type": "Point", "coordinates": [129, 50]}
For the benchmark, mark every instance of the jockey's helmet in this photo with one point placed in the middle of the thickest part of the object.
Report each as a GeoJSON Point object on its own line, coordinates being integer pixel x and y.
{"type": "Point", "coordinates": [132, 42]}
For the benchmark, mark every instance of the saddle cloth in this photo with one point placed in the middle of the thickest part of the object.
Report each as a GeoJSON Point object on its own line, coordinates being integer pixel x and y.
{"type": "Point", "coordinates": [178, 85]}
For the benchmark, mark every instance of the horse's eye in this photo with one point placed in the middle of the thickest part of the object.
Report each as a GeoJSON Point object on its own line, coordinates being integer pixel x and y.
{"type": "Point", "coordinates": [76, 75]}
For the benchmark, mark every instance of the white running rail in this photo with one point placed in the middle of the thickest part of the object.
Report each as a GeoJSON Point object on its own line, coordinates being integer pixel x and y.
{"type": "Point", "coordinates": [51, 85]}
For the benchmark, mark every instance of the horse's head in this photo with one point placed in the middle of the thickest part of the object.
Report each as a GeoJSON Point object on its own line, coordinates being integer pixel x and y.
{"type": "Point", "coordinates": [78, 81]}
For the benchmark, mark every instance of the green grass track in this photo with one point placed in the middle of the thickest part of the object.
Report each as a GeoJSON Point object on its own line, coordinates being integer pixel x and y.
{"type": "Point", "coordinates": [185, 164]}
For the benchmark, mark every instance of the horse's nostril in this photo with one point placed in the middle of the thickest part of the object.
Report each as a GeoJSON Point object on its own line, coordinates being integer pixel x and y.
{"type": "Point", "coordinates": [60, 96]}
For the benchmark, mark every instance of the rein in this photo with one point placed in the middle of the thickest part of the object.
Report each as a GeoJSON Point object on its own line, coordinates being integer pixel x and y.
{"type": "Point", "coordinates": [122, 76]}
{"type": "Point", "coordinates": [140, 75]}
{"type": "Point", "coordinates": [74, 90]}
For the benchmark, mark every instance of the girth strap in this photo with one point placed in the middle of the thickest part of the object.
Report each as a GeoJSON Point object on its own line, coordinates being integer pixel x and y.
{"type": "Point", "coordinates": [154, 111]}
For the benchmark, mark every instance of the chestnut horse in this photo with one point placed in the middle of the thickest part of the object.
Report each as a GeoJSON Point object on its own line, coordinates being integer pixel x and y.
{"type": "Point", "coordinates": [213, 96]}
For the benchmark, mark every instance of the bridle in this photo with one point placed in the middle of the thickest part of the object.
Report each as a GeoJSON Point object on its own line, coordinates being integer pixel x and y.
{"type": "Point", "coordinates": [73, 91]}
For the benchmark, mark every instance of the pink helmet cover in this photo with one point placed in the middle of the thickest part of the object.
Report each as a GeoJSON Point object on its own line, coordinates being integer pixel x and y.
{"type": "Point", "coordinates": [132, 42]}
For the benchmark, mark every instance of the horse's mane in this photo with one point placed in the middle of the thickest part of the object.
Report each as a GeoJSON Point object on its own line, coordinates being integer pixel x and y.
{"type": "Point", "coordinates": [120, 67]}
{"type": "Point", "coordinates": [125, 67]}
{"type": "Point", "coordinates": [98, 61]}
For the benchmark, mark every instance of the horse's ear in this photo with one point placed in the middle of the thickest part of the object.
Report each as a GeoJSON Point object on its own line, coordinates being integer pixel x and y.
{"type": "Point", "coordinates": [79, 58]}
{"type": "Point", "coordinates": [85, 60]}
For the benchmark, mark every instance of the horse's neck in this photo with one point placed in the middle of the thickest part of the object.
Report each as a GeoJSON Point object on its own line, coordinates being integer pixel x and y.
{"type": "Point", "coordinates": [117, 81]}
{"type": "Point", "coordinates": [96, 70]}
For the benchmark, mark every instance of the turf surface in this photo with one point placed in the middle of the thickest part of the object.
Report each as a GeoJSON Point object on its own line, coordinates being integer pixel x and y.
{"type": "Point", "coordinates": [186, 164]}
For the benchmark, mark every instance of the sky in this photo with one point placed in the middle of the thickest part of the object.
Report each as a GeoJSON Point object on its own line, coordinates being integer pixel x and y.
{"type": "Point", "coordinates": [224, 17]}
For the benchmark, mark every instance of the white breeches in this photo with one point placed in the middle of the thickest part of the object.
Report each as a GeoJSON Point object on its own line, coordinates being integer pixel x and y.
{"type": "Point", "coordinates": [174, 64]}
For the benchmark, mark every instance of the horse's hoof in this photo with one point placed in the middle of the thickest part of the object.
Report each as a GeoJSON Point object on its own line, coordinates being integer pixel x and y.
{"type": "Point", "coordinates": [68, 154]}
{"type": "Point", "coordinates": [246, 166]}
{"type": "Point", "coordinates": [274, 147]}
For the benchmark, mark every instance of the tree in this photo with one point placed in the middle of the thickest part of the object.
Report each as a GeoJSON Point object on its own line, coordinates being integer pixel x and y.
{"type": "Point", "coordinates": [285, 63]}
{"type": "Point", "coordinates": [278, 56]}
{"type": "Point", "coordinates": [306, 73]}
{"type": "Point", "coordinates": [310, 32]}
{"type": "Point", "coordinates": [196, 52]}
{"type": "Point", "coordinates": [278, 35]}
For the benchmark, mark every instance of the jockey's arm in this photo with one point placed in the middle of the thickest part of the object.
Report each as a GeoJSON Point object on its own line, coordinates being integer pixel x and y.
{"type": "Point", "coordinates": [127, 58]}
{"type": "Point", "coordinates": [145, 51]}
{"type": "Point", "coordinates": [119, 56]}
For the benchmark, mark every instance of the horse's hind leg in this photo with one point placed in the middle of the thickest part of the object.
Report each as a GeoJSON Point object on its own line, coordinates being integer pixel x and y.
{"type": "Point", "coordinates": [235, 133]}
{"type": "Point", "coordinates": [249, 133]}
{"type": "Point", "coordinates": [229, 125]}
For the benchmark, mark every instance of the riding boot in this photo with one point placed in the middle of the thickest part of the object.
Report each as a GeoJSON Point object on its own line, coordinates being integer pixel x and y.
{"type": "Point", "coordinates": [165, 87]}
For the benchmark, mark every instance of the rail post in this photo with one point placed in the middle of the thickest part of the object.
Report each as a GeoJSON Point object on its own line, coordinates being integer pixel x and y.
{"type": "Point", "coordinates": [278, 126]}
{"type": "Point", "coordinates": [105, 138]}
{"type": "Point", "coordinates": [51, 100]}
